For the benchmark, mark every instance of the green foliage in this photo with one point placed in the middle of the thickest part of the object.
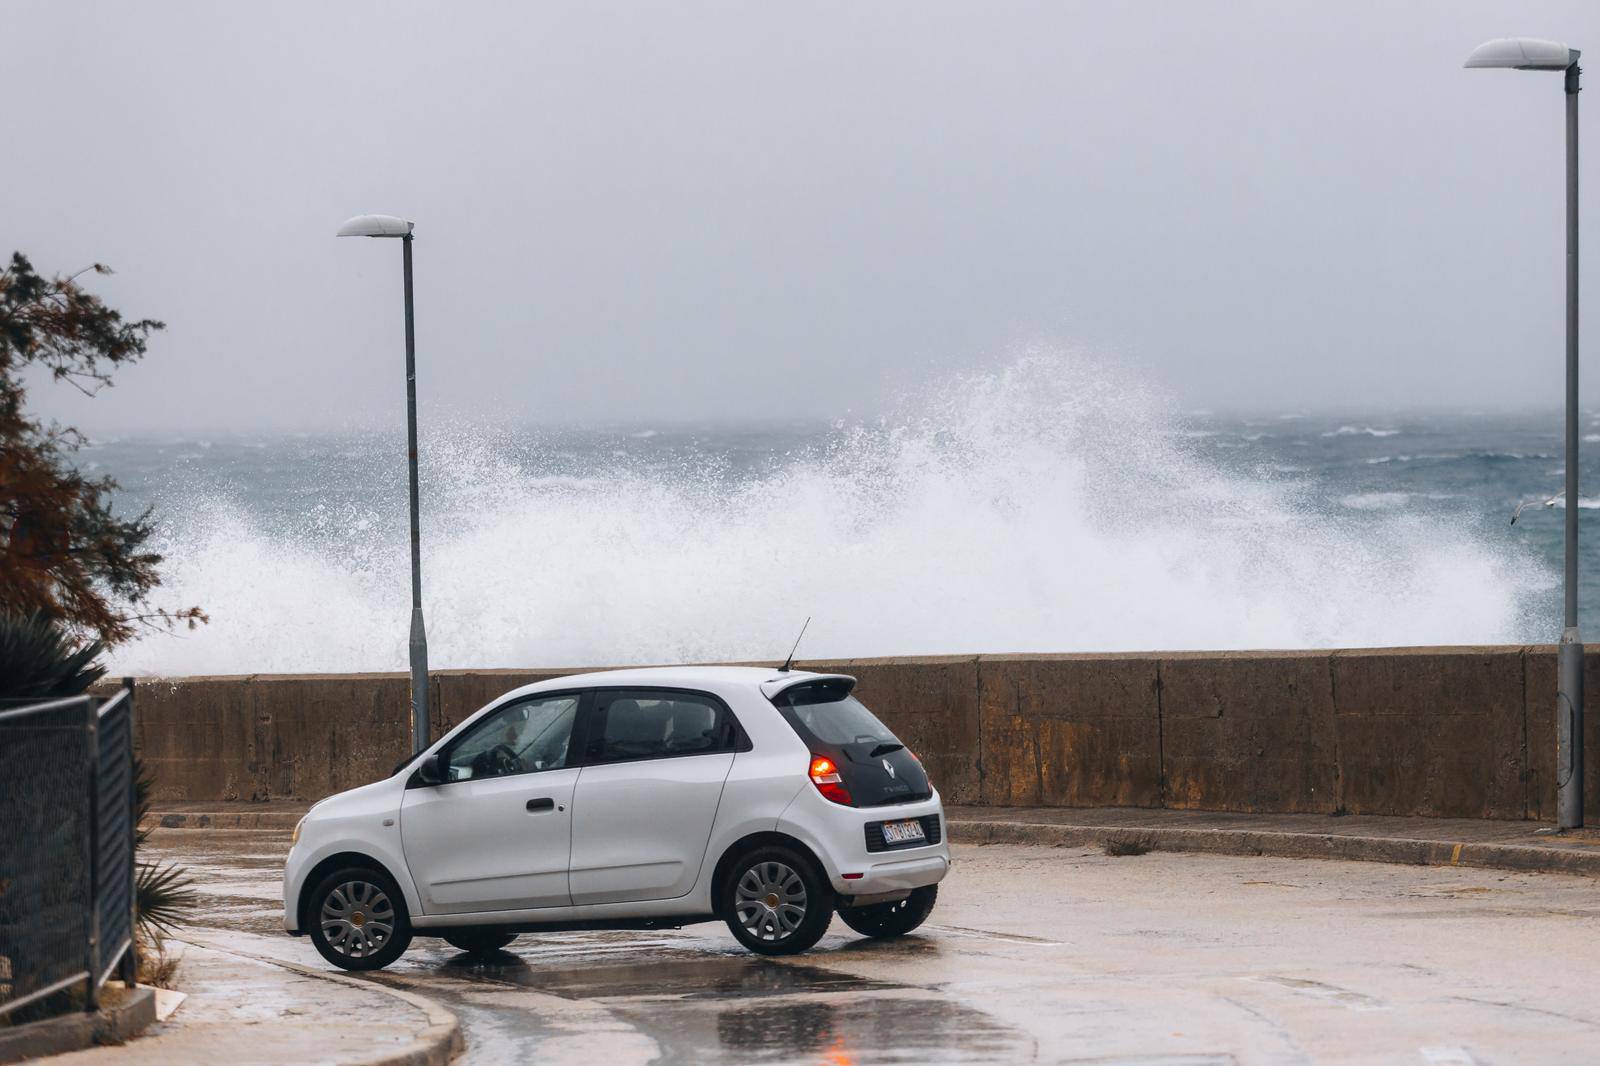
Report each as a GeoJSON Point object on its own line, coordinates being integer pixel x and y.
{"type": "Point", "coordinates": [63, 552]}
{"type": "Point", "coordinates": [38, 660]}
{"type": "Point", "coordinates": [164, 898]}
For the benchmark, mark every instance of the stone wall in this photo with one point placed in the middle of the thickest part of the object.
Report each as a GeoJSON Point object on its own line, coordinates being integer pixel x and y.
{"type": "Point", "coordinates": [1447, 732]}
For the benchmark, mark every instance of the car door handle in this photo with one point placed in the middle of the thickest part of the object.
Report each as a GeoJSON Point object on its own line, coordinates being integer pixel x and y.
{"type": "Point", "coordinates": [544, 804]}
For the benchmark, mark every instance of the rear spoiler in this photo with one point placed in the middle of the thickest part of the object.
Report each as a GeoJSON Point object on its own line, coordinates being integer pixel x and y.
{"type": "Point", "coordinates": [784, 682]}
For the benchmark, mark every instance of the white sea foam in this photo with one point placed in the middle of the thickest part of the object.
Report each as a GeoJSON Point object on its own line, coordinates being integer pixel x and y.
{"type": "Point", "coordinates": [1356, 431]}
{"type": "Point", "coordinates": [1049, 506]}
{"type": "Point", "coordinates": [1375, 501]}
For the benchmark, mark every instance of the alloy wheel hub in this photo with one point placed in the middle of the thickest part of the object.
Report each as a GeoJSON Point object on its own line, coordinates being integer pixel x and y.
{"type": "Point", "coordinates": [357, 918]}
{"type": "Point", "coordinates": [770, 901]}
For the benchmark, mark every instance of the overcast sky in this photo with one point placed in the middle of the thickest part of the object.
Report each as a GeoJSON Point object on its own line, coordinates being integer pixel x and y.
{"type": "Point", "coordinates": [648, 211]}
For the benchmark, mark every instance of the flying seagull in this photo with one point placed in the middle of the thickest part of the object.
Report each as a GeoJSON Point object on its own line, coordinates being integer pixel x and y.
{"type": "Point", "coordinates": [1551, 502]}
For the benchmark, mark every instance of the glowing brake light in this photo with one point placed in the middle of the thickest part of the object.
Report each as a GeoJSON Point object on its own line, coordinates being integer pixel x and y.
{"type": "Point", "coordinates": [825, 775]}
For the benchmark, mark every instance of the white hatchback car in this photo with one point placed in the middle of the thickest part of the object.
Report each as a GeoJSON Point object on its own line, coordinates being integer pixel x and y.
{"type": "Point", "coordinates": [632, 799]}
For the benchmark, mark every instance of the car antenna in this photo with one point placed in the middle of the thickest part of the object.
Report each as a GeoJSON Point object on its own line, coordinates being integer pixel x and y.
{"type": "Point", "coordinates": [784, 669]}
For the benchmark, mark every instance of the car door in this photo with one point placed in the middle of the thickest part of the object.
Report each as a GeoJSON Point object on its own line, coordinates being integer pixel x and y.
{"type": "Point", "coordinates": [654, 765]}
{"type": "Point", "coordinates": [496, 834]}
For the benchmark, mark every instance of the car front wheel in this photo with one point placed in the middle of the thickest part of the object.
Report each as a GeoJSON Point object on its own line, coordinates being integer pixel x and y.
{"type": "Point", "coordinates": [776, 901]}
{"type": "Point", "coordinates": [358, 919]}
{"type": "Point", "coordinates": [892, 919]}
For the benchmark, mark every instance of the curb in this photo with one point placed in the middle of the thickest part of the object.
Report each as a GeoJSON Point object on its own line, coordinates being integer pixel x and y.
{"type": "Point", "coordinates": [78, 1030]}
{"type": "Point", "coordinates": [206, 820]}
{"type": "Point", "coordinates": [436, 1045]}
{"type": "Point", "coordinates": [1410, 852]}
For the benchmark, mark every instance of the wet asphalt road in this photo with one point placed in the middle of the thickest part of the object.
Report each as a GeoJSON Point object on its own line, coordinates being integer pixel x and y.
{"type": "Point", "coordinates": [1034, 955]}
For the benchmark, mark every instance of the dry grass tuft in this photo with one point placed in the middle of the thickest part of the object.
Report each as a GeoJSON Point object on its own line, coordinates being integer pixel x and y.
{"type": "Point", "coordinates": [1117, 847]}
{"type": "Point", "coordinates": [156, 966]}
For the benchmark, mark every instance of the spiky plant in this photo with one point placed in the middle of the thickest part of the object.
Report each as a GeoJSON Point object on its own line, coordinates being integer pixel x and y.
{"type": "Point", "coordinates": [164, 895]}
{"type": "Point", "coordinates": [40, 661]}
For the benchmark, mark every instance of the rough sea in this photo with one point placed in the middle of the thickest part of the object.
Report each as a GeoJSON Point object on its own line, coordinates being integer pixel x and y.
{"type": "Point", "coordinates": [1051, 505]}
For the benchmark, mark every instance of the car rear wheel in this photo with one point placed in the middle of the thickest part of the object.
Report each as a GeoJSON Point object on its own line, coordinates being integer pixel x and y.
{"type": "Point", "coordinates": [358, 919]}
{"type": "Point", "coordinates": [892, 919]}
{"type": "Point", "coordinates": [478, 941]}
{"type": "Point", "coordinates": [776, 901]}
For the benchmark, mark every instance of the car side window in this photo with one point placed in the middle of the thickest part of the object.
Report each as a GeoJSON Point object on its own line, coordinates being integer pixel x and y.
{"type": "Point", "coordinates": [642, 724]}
{"type": "Point", "coordinates": [520, 738]}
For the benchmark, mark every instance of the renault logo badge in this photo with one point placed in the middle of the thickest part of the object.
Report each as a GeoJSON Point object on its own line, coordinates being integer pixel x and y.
{"type": "Point", "coordinates": [887, 765]}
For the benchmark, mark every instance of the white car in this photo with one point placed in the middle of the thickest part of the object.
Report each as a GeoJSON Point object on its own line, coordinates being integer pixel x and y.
{"type": "Point", "coordinates": [632, 799]}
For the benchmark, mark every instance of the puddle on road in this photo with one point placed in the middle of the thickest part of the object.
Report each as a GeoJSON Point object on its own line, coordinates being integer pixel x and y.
{"type": "Point", "coordinates": [704, 1005]}
{"type": "Point", "coordinates": [692, 976]}
{"type": "Point", "coordinates": [860, 1030]}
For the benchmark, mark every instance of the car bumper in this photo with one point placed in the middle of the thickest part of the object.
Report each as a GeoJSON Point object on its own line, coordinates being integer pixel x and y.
{"type": "Point", "coordinates": [890, 877]}
{"type": "Point", "coordinates": [839, 837]}
{"type": "Point", "coordinates": [294, 872]}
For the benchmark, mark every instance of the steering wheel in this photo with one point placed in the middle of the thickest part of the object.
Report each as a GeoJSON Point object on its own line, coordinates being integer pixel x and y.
{"type": "Point", "coordinates": [498, 761]}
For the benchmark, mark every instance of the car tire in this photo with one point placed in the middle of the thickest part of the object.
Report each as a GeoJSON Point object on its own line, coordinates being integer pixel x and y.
{"type": "Point", "coordinates": [776, 901]}
{"type": "Point", "coordinates": [882, 920]}
{"type": "Point", "coordinates": [478, 941]}
{"type": "Point", "coordinates": [358, 919]}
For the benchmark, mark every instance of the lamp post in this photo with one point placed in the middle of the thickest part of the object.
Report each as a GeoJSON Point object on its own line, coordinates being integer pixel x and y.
{"type": "Point", "coordinates": [389, 226]}
{"type": "Point", "coordinates": [1528, 53]}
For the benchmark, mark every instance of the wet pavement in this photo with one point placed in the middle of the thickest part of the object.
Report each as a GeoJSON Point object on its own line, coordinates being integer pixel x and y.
{"type": "Point", "coordinates": [1033, 955]}
{"type": "Point", "coordinates": [249, 1012]}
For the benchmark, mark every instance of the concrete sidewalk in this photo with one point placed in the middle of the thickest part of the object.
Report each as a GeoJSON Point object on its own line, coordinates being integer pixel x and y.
{"type": "Point", "coordinates": [244, 1009]}
{"type": "Point", "coordinates": [1414, 841]}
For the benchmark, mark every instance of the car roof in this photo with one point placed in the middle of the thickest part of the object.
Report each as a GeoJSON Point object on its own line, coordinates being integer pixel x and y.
{"type": "Point", "coordinates": [769, 680]}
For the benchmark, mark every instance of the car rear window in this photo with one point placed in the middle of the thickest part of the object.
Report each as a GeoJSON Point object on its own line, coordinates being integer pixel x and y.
{"type": "Point", "coordinates": [645, 724]}
{"type": "Point", "coordinates": [830, 714]}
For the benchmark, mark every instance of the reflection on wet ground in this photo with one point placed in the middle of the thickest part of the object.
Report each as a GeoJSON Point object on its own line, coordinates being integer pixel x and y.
{"type": "Point", "coordinates": [694, 994]}
{"type": "Point", "coordinates": [880, 1030]}
{"type": "Point", "coordinates": [702, 1001]}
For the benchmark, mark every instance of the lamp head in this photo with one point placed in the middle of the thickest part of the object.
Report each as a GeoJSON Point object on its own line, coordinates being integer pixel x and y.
{"type": "Point", "coordinates": [1522, 53]}
{"type": "Point", "coordinates": [376, 226]}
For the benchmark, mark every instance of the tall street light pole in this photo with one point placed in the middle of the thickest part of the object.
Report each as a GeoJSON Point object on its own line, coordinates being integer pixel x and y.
{"type": "Point", "coordinates": [389, 226]}
{"type": "Point", "coordinates": [1528, 53]}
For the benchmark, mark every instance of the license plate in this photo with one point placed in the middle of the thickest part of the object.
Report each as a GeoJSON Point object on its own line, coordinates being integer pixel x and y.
{"type": "Point", "coordinates": [903, 832]}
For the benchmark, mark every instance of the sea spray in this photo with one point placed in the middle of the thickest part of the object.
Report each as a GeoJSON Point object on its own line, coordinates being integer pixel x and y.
{"type": "Point", "coordinates": [1058, 503]}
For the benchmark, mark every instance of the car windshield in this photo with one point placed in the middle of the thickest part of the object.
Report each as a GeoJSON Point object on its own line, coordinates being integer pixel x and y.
{"type": "Point", "coordinates": [834, 716]}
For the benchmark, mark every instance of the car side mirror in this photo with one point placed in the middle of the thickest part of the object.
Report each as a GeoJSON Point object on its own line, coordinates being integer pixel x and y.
{"type": "Point", "coordinates": [431, 770]}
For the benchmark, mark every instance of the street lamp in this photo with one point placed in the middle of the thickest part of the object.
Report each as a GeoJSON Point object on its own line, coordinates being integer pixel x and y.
{"type": "Point", "coordinates": [1528, 53]}
{"type": "Point", "coordinates": [389, 226]}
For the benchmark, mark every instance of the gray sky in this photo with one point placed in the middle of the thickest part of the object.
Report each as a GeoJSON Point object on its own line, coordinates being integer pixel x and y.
{"type": "Point", "coordinates": [648, 211]}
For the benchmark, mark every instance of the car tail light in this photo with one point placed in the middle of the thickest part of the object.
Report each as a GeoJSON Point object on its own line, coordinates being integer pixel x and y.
{"type": "Point", "coordinates": [825, 775]}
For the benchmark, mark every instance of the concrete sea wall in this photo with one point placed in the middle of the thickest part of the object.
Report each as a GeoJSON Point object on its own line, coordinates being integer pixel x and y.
{"type": "Point", "coordinates": [1446, 732]}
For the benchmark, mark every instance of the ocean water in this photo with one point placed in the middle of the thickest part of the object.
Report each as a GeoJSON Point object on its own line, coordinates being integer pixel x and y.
{"type": "Point", "coordinates": [1052, 504]}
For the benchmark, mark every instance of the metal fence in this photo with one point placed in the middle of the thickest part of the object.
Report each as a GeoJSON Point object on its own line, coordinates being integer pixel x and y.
{"type": "Point", "coordinates": [66, 847]}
